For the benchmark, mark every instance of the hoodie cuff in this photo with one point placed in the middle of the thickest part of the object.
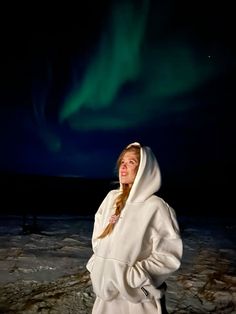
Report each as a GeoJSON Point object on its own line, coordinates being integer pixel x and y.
{"type": "Point", "coordinates": [138, 277]}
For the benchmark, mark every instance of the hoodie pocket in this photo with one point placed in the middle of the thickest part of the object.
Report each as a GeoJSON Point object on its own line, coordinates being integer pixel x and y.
{"type": "Point", "coordinates": [104, 278]}
{"type": "Point", "coordinates": [109, 280]}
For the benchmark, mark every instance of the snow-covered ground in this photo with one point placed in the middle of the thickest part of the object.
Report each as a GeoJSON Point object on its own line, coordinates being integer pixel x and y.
{"type": "Point", "coordinates": [44, 271]}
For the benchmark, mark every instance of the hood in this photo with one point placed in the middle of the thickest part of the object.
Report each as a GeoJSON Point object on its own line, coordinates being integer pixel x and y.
{"type": "Point", "coordinates": [148, 178]}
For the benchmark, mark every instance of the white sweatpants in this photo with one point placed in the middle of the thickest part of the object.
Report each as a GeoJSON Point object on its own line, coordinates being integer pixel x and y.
{"type": "Point", "coordinates": [118, 306]}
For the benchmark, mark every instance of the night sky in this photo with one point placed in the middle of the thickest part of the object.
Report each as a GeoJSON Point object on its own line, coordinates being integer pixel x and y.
{"type": "Point", "coordinates": [80, 83]}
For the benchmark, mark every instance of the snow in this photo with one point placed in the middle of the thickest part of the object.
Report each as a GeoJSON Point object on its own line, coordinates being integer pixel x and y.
{"type": "Point", "coordinates": [44, 271]}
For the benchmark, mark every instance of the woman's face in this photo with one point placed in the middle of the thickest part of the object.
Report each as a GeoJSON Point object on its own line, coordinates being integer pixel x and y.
{"type": "Point", "coordinates": [128, 168]}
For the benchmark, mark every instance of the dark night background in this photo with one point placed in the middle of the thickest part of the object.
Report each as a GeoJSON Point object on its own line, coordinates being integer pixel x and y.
{"type": "Point", "coordinates": [80, 83]}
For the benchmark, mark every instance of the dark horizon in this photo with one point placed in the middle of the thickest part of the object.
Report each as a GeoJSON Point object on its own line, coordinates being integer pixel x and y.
{"type": "Point", "coordinates": [40, 195]}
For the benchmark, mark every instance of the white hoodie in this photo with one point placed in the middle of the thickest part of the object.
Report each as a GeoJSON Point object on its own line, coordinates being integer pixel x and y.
{"type": "Point", "coordinates": [144, 247]}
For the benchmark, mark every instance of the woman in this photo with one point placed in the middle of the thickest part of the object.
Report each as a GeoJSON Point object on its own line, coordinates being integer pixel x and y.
{"type": "Point", "coordinates": [136, 240]}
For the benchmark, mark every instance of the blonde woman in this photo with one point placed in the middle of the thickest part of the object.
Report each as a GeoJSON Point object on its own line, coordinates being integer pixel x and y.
{"type": "Point", "coordinates": [136, 239]}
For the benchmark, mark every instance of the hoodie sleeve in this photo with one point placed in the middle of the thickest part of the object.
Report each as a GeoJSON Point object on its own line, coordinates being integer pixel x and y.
{"type": "Point", "coordinates": [167, 248]}
{"type": "Point", "coordinates": [99, 221]}
{"type": "Point", "coordinates": [90, 262]}
{"type": "Point", "coordinates": [105, 210]}
{"type": "Point", "coordinates": [97, 227]}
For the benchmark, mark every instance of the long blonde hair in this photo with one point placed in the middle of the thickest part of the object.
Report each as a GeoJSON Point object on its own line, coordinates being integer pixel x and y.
{"type": "Point", "coordinates": [123, 196]}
